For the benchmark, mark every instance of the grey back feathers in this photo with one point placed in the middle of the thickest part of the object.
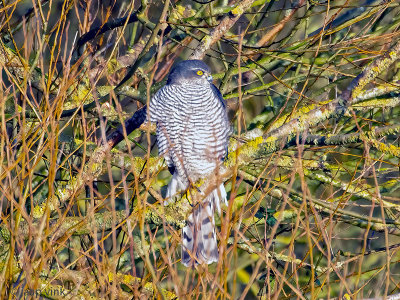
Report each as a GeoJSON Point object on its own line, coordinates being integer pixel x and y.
{"type": "Point", "coordinates": [192, 134]}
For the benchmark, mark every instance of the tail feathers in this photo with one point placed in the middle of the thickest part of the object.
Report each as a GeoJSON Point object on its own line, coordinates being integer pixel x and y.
{"type": "Point", "coordinates": [199, 240]}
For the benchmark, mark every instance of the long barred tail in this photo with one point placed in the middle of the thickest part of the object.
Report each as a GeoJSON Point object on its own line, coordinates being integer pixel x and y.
{"type": "Point", "coordinates": [199, 240]}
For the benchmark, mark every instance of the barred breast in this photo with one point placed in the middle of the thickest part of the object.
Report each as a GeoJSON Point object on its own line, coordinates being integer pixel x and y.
{"type": "Point", "coordinates": [192, 128]}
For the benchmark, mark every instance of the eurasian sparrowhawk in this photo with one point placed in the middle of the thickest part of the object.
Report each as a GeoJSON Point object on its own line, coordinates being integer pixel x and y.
{"type": "Point", "coordinates": [192, 134]}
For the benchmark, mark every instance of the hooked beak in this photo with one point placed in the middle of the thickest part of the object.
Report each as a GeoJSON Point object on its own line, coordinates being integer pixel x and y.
{"type": "Point", "coordinates": [209, 78]}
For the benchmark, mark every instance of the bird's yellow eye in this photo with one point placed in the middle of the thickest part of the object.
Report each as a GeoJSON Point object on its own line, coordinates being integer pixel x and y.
{"type": "Point", "coordinates": [199, 72]}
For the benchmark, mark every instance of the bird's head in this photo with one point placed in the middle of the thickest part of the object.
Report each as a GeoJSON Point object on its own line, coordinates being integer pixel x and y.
{"type": "Point", "coordinates": [190, 72]}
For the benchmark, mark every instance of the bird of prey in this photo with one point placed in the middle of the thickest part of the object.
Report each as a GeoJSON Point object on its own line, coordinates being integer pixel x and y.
{"type": "Point", "coordinates": [192, 134]}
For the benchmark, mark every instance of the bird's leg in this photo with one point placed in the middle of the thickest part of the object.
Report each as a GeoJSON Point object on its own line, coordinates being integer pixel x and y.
{"type": "Point", "coordinates": [219, 195]}
{"type": "Point", "coordinates": [174, 186]}
{"type": "Point", "coordinates": [223, 195]}
{"type": "Point", "coordinates": [171, 190]}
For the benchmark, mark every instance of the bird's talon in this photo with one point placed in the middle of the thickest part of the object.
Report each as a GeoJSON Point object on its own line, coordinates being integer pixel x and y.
{"type": "Point", "coordinates": [169, 200]}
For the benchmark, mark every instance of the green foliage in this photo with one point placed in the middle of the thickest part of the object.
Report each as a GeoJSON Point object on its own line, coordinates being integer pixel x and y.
{"type": "Point", "coordinates": [312, 173]}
